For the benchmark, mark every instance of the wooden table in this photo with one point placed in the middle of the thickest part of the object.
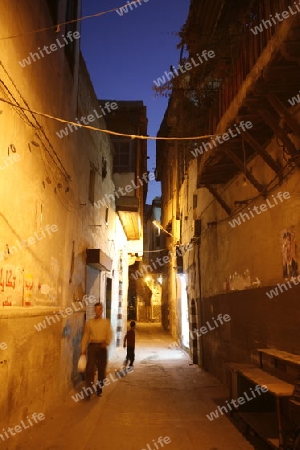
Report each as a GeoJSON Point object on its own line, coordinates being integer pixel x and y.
{"type": "Point", "coordinates": [276, 387]}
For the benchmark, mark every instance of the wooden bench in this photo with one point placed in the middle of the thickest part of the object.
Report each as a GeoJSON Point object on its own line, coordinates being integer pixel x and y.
{"type": "Point", "coordinates": [278, 355]}
{"type": "Point", "coordinates": [269, 425]}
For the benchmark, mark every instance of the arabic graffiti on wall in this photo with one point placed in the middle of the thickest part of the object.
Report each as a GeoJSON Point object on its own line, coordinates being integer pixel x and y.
{"type": "Point", "coordinates": [240, 281]}
{"type": "Point", "coordinates": [19, 287]}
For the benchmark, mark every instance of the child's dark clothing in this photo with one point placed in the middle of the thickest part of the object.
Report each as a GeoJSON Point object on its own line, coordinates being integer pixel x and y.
{"type": "Point", "coordinates": [130, 338]}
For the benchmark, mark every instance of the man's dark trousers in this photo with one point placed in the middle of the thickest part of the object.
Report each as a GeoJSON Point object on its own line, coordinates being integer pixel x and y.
{"type": "Point", "coordinates": [130, 355]}
{"type": "Point", "coordinates": [97, 357]}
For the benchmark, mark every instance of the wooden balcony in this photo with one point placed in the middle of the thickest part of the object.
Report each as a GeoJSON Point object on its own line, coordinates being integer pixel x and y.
{"type": "Point", "coordinates": [265, 76]}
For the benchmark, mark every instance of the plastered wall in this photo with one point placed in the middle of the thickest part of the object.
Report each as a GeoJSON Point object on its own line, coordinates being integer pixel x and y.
{"type": "Point", "coordinates": [47, 185]}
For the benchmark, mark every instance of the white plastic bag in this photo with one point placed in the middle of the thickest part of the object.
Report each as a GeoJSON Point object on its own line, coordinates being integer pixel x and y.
{"type": "Point", "coordinates": [81, 363]}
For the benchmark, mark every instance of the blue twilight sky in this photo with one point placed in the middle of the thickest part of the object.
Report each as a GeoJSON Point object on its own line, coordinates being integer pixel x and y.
{"type": "Point", "coordinates": [125, 54]}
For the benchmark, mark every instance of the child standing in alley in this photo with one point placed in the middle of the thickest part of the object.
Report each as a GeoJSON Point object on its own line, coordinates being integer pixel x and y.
{"type": "Point", "coordinates": [130, 338]}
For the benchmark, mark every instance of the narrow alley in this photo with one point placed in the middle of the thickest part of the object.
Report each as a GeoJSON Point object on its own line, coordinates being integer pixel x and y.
{"type": "Point", "coordinates": [165, 396]}
{"type": "Point", "coordinates": [149, 201]}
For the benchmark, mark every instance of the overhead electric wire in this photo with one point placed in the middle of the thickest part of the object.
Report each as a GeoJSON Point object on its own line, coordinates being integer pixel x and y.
{"type": "Point", "coordinates": [39, 129]}
{"type": "Point", "coordinates": [79, 19]}
{"type": "Point", "coordinates": [113, 133]}
{"type": "Point", "coordinates": [36, 126]}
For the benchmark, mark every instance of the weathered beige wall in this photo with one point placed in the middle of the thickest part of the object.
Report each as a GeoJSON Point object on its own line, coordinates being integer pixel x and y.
{"type": "Point", "coordinates": [37, 371]}
{"type": "Point", "coordinates": [254, 245]}
{"type": "Point", "coordinates": [171, 312]}
{"type": "Point", "coordinates": [50, 273]}
{"type": "Point", "coordinates": [239, 265]}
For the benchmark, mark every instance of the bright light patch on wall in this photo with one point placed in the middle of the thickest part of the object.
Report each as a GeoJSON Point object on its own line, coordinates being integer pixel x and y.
{"type": "Point", "coordinates": [184, 311]}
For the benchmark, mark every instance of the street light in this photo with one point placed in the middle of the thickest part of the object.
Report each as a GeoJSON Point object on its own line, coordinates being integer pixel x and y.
{"type": "Point", "coordinates": [159, 225]}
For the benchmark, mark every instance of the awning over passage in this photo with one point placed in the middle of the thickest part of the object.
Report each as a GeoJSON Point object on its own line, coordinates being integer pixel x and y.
{"type": "Point", "coordinates": [128, 211]}
{"type": "Point", "coordinates": [97, 259]}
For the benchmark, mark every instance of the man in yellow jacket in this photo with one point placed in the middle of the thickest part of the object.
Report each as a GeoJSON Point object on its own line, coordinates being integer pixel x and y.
{"type": "Point", "coordinates": [97, 335]}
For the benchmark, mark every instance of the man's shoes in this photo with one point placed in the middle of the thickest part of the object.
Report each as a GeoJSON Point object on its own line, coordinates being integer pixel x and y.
{"type": "Point", "coordinates": [99, 394]}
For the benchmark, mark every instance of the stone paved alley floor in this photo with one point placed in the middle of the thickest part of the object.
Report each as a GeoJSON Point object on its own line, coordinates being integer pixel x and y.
{"type": "Point", "coordinates": [165, 396]}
